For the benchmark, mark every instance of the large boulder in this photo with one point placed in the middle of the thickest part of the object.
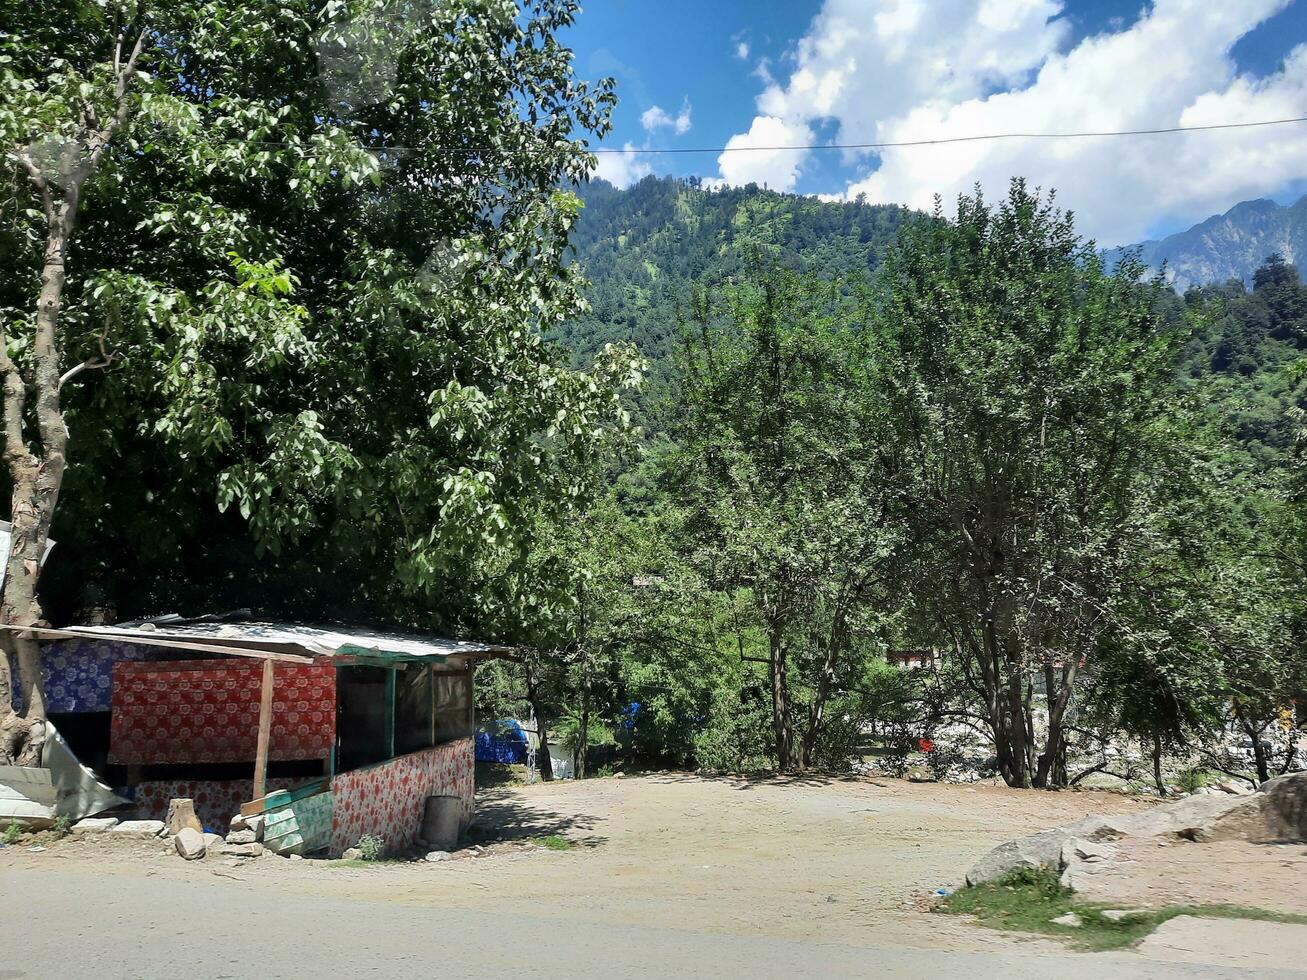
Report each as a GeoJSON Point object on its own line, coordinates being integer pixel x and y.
{"type": "Point", "coordinates": [1285, 808]}
{"type": "Point", "coordinates": [1042, 850]}
{"type": "Point", "coordinates": [1201, 818]}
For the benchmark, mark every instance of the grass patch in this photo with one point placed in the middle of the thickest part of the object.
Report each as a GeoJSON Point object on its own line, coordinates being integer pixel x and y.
{"type": "Point", "coordinates": [554, 842]}
{"type": "Point", "coordinates": [363, 863]}
{"type": "Point", "coordinates": [1029, 901]}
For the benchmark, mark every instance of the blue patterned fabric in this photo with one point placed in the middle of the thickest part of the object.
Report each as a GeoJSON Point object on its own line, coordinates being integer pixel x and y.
{"type": "Point", "coordinates": [78, 674]}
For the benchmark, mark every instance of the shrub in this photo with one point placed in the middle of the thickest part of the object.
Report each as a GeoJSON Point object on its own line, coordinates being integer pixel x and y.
{"type": "Point", "coordinates": [372, 847]}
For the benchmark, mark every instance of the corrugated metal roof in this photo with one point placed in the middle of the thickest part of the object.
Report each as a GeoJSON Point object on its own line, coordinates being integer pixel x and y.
{"type": "Point", "coordinates": [321, 641]}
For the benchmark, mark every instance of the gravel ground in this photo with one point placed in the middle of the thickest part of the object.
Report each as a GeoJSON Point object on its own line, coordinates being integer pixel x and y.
{"type": "Point", "coordinates": [815, 863]}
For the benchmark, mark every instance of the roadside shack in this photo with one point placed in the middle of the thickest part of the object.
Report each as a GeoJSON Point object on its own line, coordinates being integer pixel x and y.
{"type": "Point", "coordinates": [331, 733]}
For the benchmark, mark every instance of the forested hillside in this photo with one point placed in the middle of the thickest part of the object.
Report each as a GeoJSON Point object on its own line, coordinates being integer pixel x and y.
{"type": "Point", "coordinates": [641, 248]}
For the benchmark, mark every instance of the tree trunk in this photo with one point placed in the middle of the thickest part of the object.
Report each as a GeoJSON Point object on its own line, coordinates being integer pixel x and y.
{"type": "Point", "coordinates": [781, 726]}
{"type": "Point", "coordinates": [36, 483]}
{"type": "Point", "coordinates": [37, 476]}
{"type": "Point", "coordinates": [1259, 752]}
{"type": "Point", "coordinates": [826, 680]}
{"type": "Point", "coordinates": [583, 736]}
{"type": "Point", "coordinates": [543, 760]}
{"type": "Point", "coordinates": [1157, 764]}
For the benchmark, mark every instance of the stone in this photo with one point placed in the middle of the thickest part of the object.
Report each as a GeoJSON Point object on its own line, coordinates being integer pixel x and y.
{"type": "Point", "coordinates": [242, 837]}
{"type": "Point", "coordinates": [190, 844]}
{"type": "Point", "coordinates": [213, 840]}
{"type": "Point", "coordinates": [238, 823]}
{"type": "Point", "coordinates": [352, 854]}
{"type": "Point", "coordinates": [241, 850]}
{"type": "Point", "coordinates": [1285, 807]}
{"type": "Point", "coordinates": [1079, 849]}
{"type": "Point", "coordinates": [297, 857]}
{"type": "Point", "coordinates": [140, 828]}
{"type": "Point", "coordinates": [435, 856]}
{"type": "Point", "coordinates": [255, 823]}
{"type": "Point", "coordinates": [1119, 915]}
{"type": "Point", "coordinates": [1043, 850]}
{"type": "Point", "coordinates": [267, 852]}
{"type": "Point", "coordinates": [181, 814]}
{"type": "Point", "coordinates": [1233, 788]}
{"type": "Point", "coordinates": [94, 825]}
{"type": "Point", "coordinates": [1071, 920]}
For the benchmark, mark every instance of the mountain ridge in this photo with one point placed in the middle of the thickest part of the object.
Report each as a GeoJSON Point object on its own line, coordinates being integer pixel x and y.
{"type": "Point", "coordinates": [1226, 246]}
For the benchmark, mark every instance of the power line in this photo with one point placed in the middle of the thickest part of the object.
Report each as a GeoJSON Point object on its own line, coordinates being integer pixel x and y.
{"type": "Point", "coordinates": [888, 145]}
{"type": "Point", "coordinates": [963, 139]}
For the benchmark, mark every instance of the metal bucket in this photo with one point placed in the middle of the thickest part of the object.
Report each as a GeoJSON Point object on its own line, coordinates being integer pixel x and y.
{"type": "Point", "coordinates": [440, 821]}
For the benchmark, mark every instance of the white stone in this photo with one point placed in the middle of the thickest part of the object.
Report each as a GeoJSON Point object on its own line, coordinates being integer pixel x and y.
{"type": "Point", "coordinates": [213, 840]}
{"type": "Point", "coordinates": [141, 828]}
{"type": "Point", "coordinates": [189, 843]}
{"type": "Point", "coordinates": [94, 825]}
{"type": "Point", "coordinates": [242, 837]}
{"type": "Point", "coordinates": [1117, 915]}
{"type": "Point", "coordinates": [1070, 919]}
{"type": "Point", "coordinates": [255, 823]}
{"type": "Point", "coordinates": [435, 856]}
{"type": "Point", "coordinates": [297, 857]}
{"type": "Point", "coordinates": [242, 850]}
{"type": "Point", "coordinates": [352, 854]}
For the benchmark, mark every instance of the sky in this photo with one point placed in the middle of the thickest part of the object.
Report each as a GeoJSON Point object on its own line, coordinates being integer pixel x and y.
{"type": "Point", "coordinates": [782, 73]}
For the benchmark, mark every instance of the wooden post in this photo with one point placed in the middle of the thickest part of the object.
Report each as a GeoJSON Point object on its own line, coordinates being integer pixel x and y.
{"type": "Point", "coordinates": [265, 729]}
{"type": "Point", "coordinates": [390, 712]}
{"type": "Point", "coordinates": [471, 702]}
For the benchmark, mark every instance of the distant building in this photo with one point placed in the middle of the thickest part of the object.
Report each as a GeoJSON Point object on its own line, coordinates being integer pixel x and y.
{"type": "Point", "coordinates": [912, 659]}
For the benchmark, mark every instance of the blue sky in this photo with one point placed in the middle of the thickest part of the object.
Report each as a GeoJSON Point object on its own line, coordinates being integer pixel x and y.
{"type": "Point", "coordinates": [789, 72]}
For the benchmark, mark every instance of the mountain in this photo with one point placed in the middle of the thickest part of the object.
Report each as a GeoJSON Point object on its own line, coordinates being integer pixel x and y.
{"type": "Point", "coordinates": [1229, 246]}
{"type": "Point", "coordinates": [643, 247]}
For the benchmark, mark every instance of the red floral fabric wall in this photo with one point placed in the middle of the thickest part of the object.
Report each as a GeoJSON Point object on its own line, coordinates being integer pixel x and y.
{"type": "Point", "coordinates": [388, 799]}
{"type": "Point", "coordinates": [208, 711]}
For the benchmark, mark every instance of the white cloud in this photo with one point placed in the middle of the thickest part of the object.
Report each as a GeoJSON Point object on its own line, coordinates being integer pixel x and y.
{"type": "Point", "coordinates": [742, 50]}
{"type": "Point", "coordinates": [655, 118]}
{"type": "Point", "coordinates": [624, 168]}
{"type": "Point", "coordinates": [751, 157]}
{"type": "Point", "coordinates": [883, 71]}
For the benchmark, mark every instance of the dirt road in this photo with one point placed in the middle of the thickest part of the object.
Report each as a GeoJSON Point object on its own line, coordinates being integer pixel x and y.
{"type": "Point", "coordinates": [669, 875]}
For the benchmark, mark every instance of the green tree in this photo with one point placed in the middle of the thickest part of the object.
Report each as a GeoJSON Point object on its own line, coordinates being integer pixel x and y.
{"type": "Point", "coordinates": [785, 481]}
{"type": "Point", "coordinates": [1038, 399]}
{"type": "Point", "coordinates": [313, 247]}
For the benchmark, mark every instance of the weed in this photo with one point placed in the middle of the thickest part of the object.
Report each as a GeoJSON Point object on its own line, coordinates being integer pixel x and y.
{"type": "Point", "coordinates": [555, 843]}
{"type": "Point", "coordinates": [12, 833]}
{"type": "Point", "coordinates": [372, 847]}
{"type": "Point", "coordinates": [1029, 901]}
{"type": "Point", "coordinates": [1191, 780]}
{"type": "Point", "coordinates": [62, 827]}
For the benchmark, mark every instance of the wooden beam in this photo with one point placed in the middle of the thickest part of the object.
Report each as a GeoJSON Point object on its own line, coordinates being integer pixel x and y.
{"type": "Point", "coordinates": [265, 730]}
{"type": "Point", "coordinates": [145, 639]}
{"type": "Point", "coordinates": [391, 677]}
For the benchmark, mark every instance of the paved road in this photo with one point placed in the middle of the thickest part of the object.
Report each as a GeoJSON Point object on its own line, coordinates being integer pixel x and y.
{"type": "Point", "coordinates": [73, 925]}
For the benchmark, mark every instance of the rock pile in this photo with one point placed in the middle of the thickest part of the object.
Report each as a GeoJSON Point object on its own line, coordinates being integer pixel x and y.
{"type": "Point", "coordinates": [1276, 812]}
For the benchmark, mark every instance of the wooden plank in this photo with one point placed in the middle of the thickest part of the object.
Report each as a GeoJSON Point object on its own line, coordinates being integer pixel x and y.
{"type": "Point", "coordinates": [265, 730]}
{"type": "Point", "coordinates": [151, 641]}
{"type": "Point", "coordinates": [283, 796]}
